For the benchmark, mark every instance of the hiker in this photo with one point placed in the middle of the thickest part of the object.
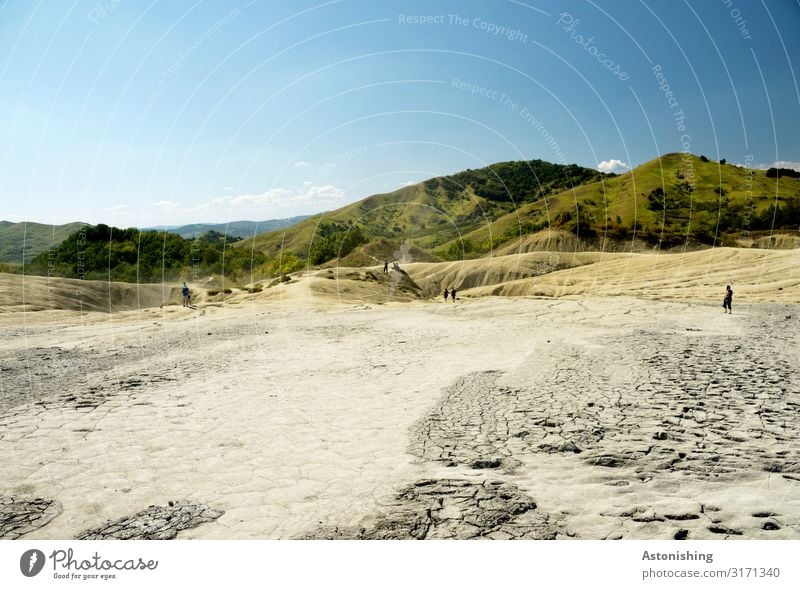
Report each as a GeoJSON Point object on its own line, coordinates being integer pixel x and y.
{"type": "Point", "coordinates": [726, 302]}
{"type": "Point", "coordinates": [395, 266]}
{"type": "Point", "coordinates": [186, 296]}
{"type": "Point", "coordinates": [453, 294]}
{"type": "Point", "coordinates": [446, 293]}
{"type": "Point", "coordinates": [386, 267]}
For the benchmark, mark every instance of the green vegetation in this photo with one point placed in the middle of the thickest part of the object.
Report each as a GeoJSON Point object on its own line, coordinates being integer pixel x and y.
{"type": "Point", "coordinates": [433, 213]}
{"type": "Point", "coordinates": [675, 200]}
{"type": "Point", "coordinates": [782, 173]}
{"type": "Point", "coordinates": [10, 268]}
{"type": "Point", "coordinates": [519, 182]}
{"type": "Point", "coordinates": [101, 252]}
{"type": "Point", "coordinates": [334, 240]}
{"type": "Point", "coordinates": [30, 239]}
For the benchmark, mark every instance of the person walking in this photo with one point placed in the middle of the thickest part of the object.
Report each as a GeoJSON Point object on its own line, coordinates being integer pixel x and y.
{"type": "Point", "coordinates": [386, 266]}
{"type": "Point", "coordinates": [453, 294]}
{"type": "Point", "coordinates": [185, 293]}
{"type": "Point", "coordinates": [446, 293]}
{"type": "Point", "coordinates": [726, 302]}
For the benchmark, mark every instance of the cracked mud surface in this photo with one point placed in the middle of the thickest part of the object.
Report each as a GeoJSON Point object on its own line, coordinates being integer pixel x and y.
{"type": "Point", "coordinates": [708, 407]}
{"type": "Point", "coordinates": [716, 407]}
{"type": "Point", "coordinates": [21, 515]}
{"type": "Point", "coordinates": [438, 509]}
{"type": "Point", "coordinates": [491, 419]}
{"type": "Point", "coordinates": [157, 522]}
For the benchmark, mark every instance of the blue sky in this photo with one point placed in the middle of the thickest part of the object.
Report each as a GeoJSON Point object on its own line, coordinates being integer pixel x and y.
{"type": "Point", "coordinates": [140, 113]}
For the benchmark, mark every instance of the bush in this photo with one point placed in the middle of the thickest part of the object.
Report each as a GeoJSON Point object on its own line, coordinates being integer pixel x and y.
{"type": "Point", "coordinates": [101, 252]}
{"type": "Point", "coordinates": [782, 172]}
{"type": "Point", "coordinates": [334, 240]}
{"type": "Point", "coordinates": [10, 268]}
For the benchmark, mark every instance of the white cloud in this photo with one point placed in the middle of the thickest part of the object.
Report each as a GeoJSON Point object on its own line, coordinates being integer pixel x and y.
{"type": "Point", "coordinates": [274, 203]}
{"type": "Point", "coordinates": [784, 164]}
{"type": "Point", "coordinates": [301, 164]}
{"type": "Point", "coordinates": [408, 183]}
{"type": "Point", "coordinates": [613, 166]}
{"type": "Point", "coordinates": [166, 205]}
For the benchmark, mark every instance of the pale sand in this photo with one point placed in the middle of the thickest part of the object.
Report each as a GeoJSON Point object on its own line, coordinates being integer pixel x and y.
{"type": "Point", "coordinates": [294, 409]}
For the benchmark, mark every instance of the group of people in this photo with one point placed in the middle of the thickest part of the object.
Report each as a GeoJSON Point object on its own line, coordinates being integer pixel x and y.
{"type": "Point", "coordinates": [395, 266]}
{"type": "Point", "coordinates": [449, 293]}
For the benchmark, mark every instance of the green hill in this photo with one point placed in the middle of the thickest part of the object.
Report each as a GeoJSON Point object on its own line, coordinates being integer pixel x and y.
{"type": "Point", "coordinates": [25, 241]}
{"type": "Point", "coordinates": [434, 212]}
{"type": "Point", "coordinates": [674, 200]}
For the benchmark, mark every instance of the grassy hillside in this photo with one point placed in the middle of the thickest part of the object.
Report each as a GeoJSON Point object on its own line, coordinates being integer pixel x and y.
{"type": "Point", "coordinates": [674, 200]}
{"type": "Point", "coordinates": [31, 239]}
{"type": "Point", "coordinates": [436, 211]}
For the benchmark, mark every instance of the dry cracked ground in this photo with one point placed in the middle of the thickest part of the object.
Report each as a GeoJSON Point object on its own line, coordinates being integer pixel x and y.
{"type": "Point", "coordinates": [522, 419]}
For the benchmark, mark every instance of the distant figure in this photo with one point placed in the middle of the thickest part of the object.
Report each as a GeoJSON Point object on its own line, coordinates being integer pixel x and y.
{"type": "Point", "coordinates": [726, 302]}
{"type": "Point", "coordinates": [186, 296]}
{"type": "Point", "coordinates": [386, 267]}
{"type": "Point", "coordinates": [446, 293]}
{"type": "Point", "coordinates": [453, 294]}
{"type": "Point", "coordinates": [396, 266]}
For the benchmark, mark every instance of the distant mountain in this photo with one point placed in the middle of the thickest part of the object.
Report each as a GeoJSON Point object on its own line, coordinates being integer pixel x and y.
{"type": "Point", "coordinates": [233, 229]}
{"type": "Point", "coordinates": [34, 238]}
{"type": "Point", "coordinates": [31, 239]}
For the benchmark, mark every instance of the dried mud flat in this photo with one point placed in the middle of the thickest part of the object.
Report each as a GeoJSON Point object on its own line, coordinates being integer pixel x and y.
{"type": "Point", "coordinates": [500, 419]}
